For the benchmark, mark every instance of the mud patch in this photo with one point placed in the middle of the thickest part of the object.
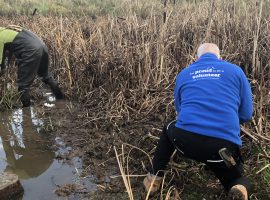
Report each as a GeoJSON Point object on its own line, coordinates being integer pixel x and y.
{"type": "Point", "coordinates": [95, 137]}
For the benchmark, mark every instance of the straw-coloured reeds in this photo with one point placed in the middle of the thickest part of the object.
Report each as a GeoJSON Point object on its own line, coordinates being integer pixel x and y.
{"type": "Point", "coordinates": [124, 68]}
{"type": "Point", "coordinates": [134, 61]}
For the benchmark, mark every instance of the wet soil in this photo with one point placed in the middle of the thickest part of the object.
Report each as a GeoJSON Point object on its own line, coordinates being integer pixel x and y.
{"type": "Point", "coordinates": [29, 150]}
{"type": "Point", "coordinates": [97, 140]}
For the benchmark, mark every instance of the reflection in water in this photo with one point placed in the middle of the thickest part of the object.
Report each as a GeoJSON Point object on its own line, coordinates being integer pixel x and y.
{"type": "Point", "coordinates": [26, 149]}
{"type": "Point", "coordinates": [50, 100]}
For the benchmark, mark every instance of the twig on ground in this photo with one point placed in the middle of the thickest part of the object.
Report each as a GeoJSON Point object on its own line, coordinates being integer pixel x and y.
{"type": "Point", "coordinates": [266, 166]}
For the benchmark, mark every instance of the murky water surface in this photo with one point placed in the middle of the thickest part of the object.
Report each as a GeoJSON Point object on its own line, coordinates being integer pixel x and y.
{"type": "Point", "coordinates": [26, 151]}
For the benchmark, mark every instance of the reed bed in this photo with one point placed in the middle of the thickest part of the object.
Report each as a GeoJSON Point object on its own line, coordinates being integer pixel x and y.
{"type": "Point", "coordinates": [123, 68]}
{"type": "Point", "coordinates": [132, 62]}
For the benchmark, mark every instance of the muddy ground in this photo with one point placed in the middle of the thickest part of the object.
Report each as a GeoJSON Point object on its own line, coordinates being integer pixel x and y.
{"type": "Point", "coordinates": [95, 140]}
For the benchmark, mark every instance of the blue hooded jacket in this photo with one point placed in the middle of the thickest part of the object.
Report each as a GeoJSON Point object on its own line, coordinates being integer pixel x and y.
{"type": "Point", "coordinates": [212, 97]}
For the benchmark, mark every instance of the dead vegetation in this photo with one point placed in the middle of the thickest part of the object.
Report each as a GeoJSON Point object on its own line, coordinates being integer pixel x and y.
{"type": "Point", "coordinates": [122, 70]}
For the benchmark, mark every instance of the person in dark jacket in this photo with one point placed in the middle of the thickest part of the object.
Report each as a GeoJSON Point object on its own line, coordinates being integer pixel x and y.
{"type": "Point", "coordinates": [212, 98]}
{"type": "Point", "coordinates": [32, 58]}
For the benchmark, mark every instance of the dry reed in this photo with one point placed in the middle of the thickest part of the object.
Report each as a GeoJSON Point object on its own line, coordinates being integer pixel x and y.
{"type": "Point", "coordinates": [131, 63]}
{"type": "Point", "coordinates": [126, 66]}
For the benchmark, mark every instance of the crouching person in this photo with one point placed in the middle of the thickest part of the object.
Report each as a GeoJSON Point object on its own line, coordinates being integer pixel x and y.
{"type": "Point", "coordinates": [212, 97]}
{"type": "Point", "coordinates": [32, 58]}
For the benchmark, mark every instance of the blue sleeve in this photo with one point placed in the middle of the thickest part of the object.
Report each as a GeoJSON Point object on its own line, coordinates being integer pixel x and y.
{"type": "Point", "coordinates": [246, 106]}
{"type": "Point", "coordinates": [177, 97]}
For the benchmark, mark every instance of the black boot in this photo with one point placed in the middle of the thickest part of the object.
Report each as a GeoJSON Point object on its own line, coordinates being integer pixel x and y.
{"type": "Point", "coordinates": [55, 88]}
{"type": "Point", "coordinates": [25, 97]}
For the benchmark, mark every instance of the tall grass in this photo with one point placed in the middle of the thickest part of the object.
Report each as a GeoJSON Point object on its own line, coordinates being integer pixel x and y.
{"type": "Point", "coordinates": [131, 63]}
{"type": "Point", "coordinates": [126, 65]}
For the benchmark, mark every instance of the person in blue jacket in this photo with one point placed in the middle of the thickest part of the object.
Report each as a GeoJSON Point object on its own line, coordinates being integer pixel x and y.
{"type": "Point", "coordinates": [212, 98]}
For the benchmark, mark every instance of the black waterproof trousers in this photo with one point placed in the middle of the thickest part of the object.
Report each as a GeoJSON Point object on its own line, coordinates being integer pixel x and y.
{"type": "Point", "coordinates": [32, 58]}
{"type": "Point", "coordinates": [202, 149]}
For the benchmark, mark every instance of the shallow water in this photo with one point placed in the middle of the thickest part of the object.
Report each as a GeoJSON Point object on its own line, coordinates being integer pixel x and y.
{"type": "Point", "coordinates": [26, 151]}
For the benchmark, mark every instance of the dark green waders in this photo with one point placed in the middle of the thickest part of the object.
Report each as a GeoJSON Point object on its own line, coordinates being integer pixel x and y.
{"type": "Point", "coordinates": [32, 59]}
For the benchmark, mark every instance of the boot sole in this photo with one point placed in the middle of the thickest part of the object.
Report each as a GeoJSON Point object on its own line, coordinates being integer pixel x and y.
{"type": "Point", "coordinates": [236, 194]}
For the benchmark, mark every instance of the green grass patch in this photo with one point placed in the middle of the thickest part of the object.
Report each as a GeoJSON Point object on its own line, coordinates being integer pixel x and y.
{"type": "Point", "coordinates": [77, 7]}
{"type": "Point", "coordinates": [9, 98]}
{"type": "Point", "coordinates": [266, 173]}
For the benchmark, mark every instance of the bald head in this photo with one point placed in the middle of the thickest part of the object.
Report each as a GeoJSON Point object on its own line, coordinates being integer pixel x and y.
{"type": "Point", "coordinates": [208, 48]}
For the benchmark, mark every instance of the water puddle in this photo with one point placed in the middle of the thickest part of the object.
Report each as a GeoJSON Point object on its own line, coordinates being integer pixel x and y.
{"type": "Point", "coordinates": [26, 151]}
